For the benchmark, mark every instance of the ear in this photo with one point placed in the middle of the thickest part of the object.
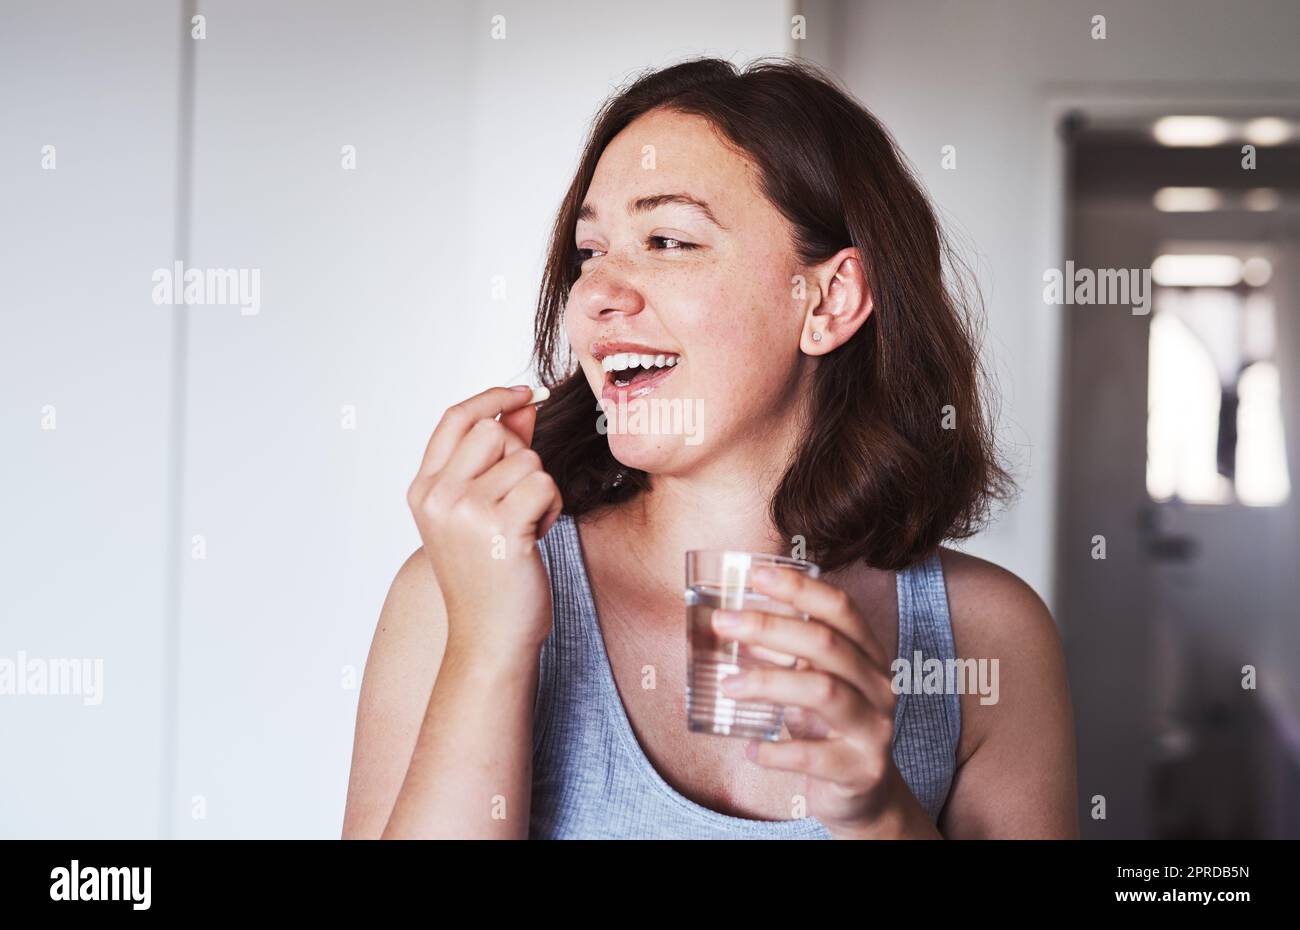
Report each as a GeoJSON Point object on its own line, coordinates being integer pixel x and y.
{"type": "Point", "coordinates": [843, 303]}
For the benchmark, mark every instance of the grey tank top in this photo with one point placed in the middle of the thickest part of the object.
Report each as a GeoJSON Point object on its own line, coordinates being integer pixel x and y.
{"type": "Point", "coordinates": [592, 780]}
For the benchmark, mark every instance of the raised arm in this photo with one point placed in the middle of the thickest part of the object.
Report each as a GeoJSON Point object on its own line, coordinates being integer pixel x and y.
{"type": "Point", "coordinates": [444, 729]}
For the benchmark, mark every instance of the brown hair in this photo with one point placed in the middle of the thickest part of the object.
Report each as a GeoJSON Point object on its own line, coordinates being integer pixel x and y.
{"type": "Point", "coordinates": [878, 476]}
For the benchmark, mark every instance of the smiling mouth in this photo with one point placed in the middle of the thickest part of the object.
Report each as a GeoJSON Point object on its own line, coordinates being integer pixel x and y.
{"type": "Point", "coordinates": [624, 369]}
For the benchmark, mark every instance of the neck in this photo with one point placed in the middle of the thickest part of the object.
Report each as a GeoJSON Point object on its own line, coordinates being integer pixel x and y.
{"type": "Point", "coordinates": [723, 503]}
{"type": "Point", "coordinates": [708, 509]}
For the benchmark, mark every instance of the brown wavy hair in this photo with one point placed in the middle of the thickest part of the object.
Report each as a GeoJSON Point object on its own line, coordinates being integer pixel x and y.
{"type": "Point", "coordinates": [878, 476]}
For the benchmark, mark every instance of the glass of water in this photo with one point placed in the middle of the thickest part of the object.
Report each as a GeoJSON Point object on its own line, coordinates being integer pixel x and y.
{"type": "Point", "coordinates": [720, 580]}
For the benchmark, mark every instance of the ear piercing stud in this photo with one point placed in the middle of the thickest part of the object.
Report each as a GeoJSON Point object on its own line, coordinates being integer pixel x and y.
{"type": "Point", "coordinates": [817, 337]}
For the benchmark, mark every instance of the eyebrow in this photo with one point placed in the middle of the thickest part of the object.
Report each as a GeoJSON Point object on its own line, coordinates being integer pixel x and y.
{"type": "Point", "coordinates": [646, 204]}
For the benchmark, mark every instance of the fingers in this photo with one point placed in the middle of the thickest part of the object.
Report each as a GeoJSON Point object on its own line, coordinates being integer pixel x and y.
{"type": "Point", "coordinates": [534, 502]}
{"type": "Point", "coordinates": [830, 760]}
{"type": "Point", "coordinates": [521, 422]}
{"type": "Point", "coordinates": [494, 485]}
{"type": "Point", "coordinates": [552, 514]}
{"type": "Point", "coordinates": [500, 479]}
{"type": "Point", "coordinates": [486, 443]}
{"type": "Point", "coordinates": [821, 644]}
{"type": "Point", "coordinates": [459, 419]}
{"type": "Point", "coordinates": [839, 703]}
{"type": "Point", "coordinates": [822, 600]}
{"type": "Point", "coordinates": [475, 464]}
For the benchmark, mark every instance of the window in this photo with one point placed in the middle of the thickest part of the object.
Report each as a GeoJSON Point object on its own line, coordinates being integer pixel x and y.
{"type": "Point", "coordinates": [1214, 422]}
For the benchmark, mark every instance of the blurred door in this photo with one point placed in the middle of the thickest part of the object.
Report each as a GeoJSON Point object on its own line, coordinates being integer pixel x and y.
{"type": "Point", "coordinates": [1178, 548]}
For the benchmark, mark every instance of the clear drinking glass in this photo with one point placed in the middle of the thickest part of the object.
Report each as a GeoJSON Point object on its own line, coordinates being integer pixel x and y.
{"type": "Point", "coordinates": [717, 579]}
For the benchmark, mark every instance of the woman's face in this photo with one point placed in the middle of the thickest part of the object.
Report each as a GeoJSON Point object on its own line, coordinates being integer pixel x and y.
{"type": "Point", "coordinates": [684, 257]}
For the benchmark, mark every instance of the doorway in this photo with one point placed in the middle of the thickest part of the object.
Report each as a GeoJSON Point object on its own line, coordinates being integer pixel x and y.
{"type": "Point", "coordinates": [1177, 550]}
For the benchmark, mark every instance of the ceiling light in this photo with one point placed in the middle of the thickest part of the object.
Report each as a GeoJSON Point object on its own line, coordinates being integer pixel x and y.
{"type": "Point", "coordinates": [1190, 130]}
{"type": "Point", "coordinates": [1196, 270]}
{"type": "Point", "coordinates": [1187, 199]}
{"type": "Point", "coordinates": [1262, 199]}
{"type": "Point", "coordinates": [1268, 130]}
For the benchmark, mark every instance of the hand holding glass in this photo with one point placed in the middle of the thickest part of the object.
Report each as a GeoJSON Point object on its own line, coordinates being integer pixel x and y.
{"type": "Point", "coordinates": [720, 580]}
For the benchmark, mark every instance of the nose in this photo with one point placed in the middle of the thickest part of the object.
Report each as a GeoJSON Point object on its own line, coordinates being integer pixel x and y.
{"type": "Point", "coordinates": [606, 291]}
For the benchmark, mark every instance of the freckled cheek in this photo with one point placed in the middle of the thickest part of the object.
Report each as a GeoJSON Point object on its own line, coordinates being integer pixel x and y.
{"type": "Point", "coordinates": [577, 326]}
{"type": "Point", "coordinates": [572, 327]}
{"type": "Point", "coordinates": [730, 319]}
{"type": "Point", "coordinates": [580, 332]}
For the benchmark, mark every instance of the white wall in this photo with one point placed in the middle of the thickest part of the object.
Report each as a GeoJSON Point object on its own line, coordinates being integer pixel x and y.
{"type": "Point", "coordinates": [83, 505]}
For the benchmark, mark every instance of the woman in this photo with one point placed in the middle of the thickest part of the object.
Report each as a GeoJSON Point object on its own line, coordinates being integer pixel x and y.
{"type": "Point", "coordinates": [751, 247]}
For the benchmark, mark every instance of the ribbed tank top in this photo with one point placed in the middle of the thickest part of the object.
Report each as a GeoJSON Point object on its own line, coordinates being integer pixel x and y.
{"type": "Point", "coordinates": [592, 780]}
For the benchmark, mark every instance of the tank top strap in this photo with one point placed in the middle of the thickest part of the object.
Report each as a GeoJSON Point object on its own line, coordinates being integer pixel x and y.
{"type": "Point", "coordinates": [561, 558]}
{"type": "Point", "coordinates": [927, 726]}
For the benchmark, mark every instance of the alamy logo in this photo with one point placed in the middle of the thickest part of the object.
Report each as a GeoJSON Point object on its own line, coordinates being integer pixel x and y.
{"type": "Point", "coordinates": [946, 676]}
{"type": "Point", "coordinates": [1121, 286]}
{"type": "Point", "coordinates": [240, 287]}
{"type": "Point", "coordinates": [29, 675]}
{"type": "Point", "coordinates": [652, 416]}
{"type": "Point", "coordinates": [103, 884]}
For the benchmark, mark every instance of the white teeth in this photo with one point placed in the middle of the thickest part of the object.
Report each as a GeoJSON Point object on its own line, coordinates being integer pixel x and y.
{"type": "Point", "coordinates": [623, 360]}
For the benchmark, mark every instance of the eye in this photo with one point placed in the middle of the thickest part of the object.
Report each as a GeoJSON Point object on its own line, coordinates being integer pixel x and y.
{"type": "Point", "coordinates": [677, 245]}
{"type": "Point", "coordinates": [658, 243]}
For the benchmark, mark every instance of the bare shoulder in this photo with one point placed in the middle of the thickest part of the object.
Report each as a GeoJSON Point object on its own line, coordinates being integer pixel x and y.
{"type": "Point", "coordinates": [994, 610]}
{"type": "Point", "coordinates": [1015, 756]}
{"type": "Point", "coordinates": [405, 655]}
{"type": "Point", "coordinates": [995, 614]}
{"type": "Point", "coordinates": [981, 575]}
